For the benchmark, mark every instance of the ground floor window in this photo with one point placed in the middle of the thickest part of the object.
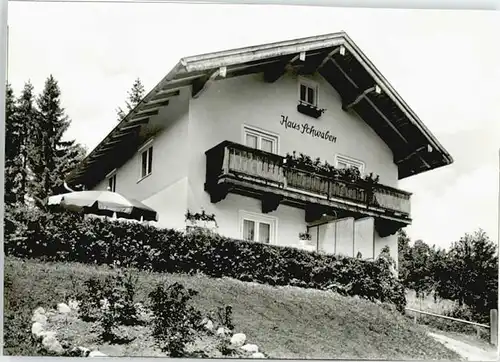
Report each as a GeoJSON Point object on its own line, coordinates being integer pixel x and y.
{"type": "Point", "coordinates": [257, 227]}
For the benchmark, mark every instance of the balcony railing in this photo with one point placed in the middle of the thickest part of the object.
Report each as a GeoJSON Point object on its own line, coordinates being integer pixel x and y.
{"type": "Point", "coordinates": [230, 158]}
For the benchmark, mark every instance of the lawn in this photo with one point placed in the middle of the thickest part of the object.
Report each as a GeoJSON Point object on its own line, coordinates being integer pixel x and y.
{"type": "Point", "coordinates": [428, 304]}
{"type": "Point", "coordinates": [453, 329]}
{"type": "Point", "coordinates": [285, 322]}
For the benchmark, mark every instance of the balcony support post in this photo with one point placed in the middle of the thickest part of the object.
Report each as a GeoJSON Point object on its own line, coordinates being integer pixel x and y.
{"type": "Point", "coordinates": [314, 212]}
{"type": "Point", "coordinates": [386, 227]}
{"type": "Point", "coordinates": [270, 202]}
{"type": "Point", "coordinates": [218, 192]}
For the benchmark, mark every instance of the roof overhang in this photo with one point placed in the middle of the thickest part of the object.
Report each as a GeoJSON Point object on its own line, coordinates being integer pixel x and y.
{"type": "Point", "coordinates": [335, 56]}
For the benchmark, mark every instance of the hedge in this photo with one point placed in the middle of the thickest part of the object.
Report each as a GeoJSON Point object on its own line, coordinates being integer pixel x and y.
{"type": "Point", "coordinates": [62, 236]}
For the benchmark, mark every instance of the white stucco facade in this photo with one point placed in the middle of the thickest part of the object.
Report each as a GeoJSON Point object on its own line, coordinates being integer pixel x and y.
{"type": "Point", "coordinates": [190, 126]}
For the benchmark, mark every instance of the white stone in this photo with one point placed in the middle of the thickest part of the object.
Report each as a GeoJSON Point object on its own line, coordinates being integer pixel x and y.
{"type": "Point", "coordinates": [139, 308]}
{"type": "Point", "coordinates": [258, 355]}
{"type": "Point", "coordinates": [208, 324]}
{"type": "Point", "coordinates": [222, 331]}
{"type": "Point", "coordinates": [40, 318]}
{"type": "Point", "coordinates": [251, 348]}
{"type": "Point", "coordinates": [39, 310]}
{"type": "Point", "coordinates": [238, 339]}
{"type": "Point", "coordinates": [73, 304]}
{"type": "Point", "coordinates": [63, 308]}
{"type": "Point", "coordinates": [84, 351]}
{"type": "Point", "coordinates": [97, 354]}
{"type": "Point", "coordinates": [51, 344]}
{"type": "Point", "coordinates": [37, 330]}
{"type": "Point", "coordinates": [104, 304]}
{"type": "Point", "coordinates": [45, 334]}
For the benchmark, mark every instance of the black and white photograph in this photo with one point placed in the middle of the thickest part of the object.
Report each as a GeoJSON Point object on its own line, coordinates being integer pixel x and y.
{"type": "Point", "coordinates": [251, 181]}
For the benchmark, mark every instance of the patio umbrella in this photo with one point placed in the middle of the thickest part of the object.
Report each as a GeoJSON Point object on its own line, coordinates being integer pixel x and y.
{"type": "Point", "coordinates": [104, 203]}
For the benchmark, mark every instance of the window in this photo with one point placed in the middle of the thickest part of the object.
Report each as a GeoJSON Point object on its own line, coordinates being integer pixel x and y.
{"type": "Point", "coordinates": [258, 228]}
{"type": "Point", "coordinates": [308, 92]}
{"type": "Point", "coordinates": [147, 162]}
{"type": "Point", "coordinates": [346, 162]}
{"type": "Point", "coordinates": [112, 183]}
{"type": "Point", "coordinates": [261, 140]}
{"type": "Point", "coordinates": [111, 177]}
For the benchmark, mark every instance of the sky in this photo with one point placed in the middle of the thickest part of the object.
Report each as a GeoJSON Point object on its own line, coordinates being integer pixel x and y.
{"type": "Point", "coordinates": [445, 64]}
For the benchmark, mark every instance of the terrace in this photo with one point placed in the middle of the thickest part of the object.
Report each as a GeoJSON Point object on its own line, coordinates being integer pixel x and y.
{"type": "Point", "coordinates": [232, 167]}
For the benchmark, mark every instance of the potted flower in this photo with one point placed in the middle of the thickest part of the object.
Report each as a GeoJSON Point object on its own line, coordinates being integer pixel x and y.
{"type": "Point", "coordinates": [200, 221]}
{"type": "Point", "coordinates": [305, 236]}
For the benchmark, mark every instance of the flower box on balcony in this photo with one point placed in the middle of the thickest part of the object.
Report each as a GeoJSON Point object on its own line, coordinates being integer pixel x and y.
{"type": "Point", "coordinates": [257, 172]}
{"type": "Point", "coordinates": [310, 110]}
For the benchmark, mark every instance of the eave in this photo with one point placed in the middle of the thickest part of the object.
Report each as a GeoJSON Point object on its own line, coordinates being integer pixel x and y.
{"type": "Point", "coordinates": [336, 57]}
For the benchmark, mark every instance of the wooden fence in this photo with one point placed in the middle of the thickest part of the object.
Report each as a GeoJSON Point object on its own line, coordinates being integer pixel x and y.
{"type": "Point", "coordinates": [492, 327]}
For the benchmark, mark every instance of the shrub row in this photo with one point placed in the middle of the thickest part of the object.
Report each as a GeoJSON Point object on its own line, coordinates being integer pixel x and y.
{"type": "Point", "coordinates": [60, 236]}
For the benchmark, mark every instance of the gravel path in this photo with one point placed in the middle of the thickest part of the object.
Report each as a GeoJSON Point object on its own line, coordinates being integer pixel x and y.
{"type": "Point", "coordinates": [467, 351]}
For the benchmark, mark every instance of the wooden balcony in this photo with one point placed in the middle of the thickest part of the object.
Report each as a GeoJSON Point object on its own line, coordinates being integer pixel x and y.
{"type": "Point", "coordinates": [232, 167]}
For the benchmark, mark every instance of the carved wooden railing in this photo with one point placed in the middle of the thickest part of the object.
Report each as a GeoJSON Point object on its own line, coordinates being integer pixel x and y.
{"type": "Point", "coordinates": [234, 159]}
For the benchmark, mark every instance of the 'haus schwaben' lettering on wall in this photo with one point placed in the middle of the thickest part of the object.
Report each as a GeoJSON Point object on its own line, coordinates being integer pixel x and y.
{"type": "Point", "coordinates": [305, 128]}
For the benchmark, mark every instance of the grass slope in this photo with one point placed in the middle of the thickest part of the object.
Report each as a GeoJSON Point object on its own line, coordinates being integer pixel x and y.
{"type": "Point", "coordinates": [286, 322]}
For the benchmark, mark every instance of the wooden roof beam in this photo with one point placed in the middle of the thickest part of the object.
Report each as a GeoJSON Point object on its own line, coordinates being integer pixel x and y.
{"type": "Point", "coordinates": [168, 93]}
{"type": "Point", "coordinates": [134, 123]}
{"type": "Point", "coordinates": [377, 110]}
{"type": "Point", "coordinates": [103, 150]}
{"type": "Point", "coordinates": [274, 72]}
{"type": "Point", "coordinates": [162, 102]}
{"type": "Point", "coordinates": [200, 85]}
{"type": "Point", "coordinates": [410, 155]}
{"type": "Point", "coordinates": [242, 67]}
{"type": "Point", "coordinates": [112, 141]}
{"type": "Point", "coordinates": [340, 50]}
{"type": "Point", "coordinates": [119, 134]}
{"type": "Point", "coordinates": [88, 162]}
{"type": "Point", "coordinates": [147, 113]}
{"type": "Point", "coordinates": [363, 94]}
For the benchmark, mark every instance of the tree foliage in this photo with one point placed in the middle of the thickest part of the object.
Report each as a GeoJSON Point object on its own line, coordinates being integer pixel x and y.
{"type": "Point", "coordinates": [466, 273]}
{"type": "Point", "coordinates": [21, 117]}
{"type": "Point", "coordinates": [13, 141]}
{"type": "Point", "coordinates": [471, 276]}
{"type": "Point", "coordinates": [135, 95]}
{"type": "Point", "coordinates": [37, 156]}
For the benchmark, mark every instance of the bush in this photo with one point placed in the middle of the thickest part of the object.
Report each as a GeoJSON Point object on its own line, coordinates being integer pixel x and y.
{"type": "Point", "coordinates": [175, 323]}
{"type": "Point", "coordinates": [224, 317]}
{"type": "Point", "coordinates": [60, 236]}
{"type": "Point", "coordinates": [110, 302]}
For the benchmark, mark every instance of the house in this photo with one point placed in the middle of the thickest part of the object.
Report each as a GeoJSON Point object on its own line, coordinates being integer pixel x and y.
{"type": "Point", "coordinates": [214, 133]}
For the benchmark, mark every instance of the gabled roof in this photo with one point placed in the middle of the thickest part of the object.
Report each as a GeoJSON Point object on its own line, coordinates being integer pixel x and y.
{"type": "Point", "coordinates": [335, 56]}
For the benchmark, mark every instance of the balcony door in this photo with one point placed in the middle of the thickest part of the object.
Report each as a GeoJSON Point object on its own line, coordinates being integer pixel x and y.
{"type": "Point", "coordinates": [260, 139]}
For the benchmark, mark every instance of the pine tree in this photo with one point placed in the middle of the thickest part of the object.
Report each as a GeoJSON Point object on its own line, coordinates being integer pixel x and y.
{"type": "Point", "coordinates": [20, 118]}
{"type": "Point", "coordinates": [135, 95]}
{"type": "Point", "coordinates": [12, 146]}
{"type": "Point", "coordinates": [52, 156]}
{"type": "Point", "coordinates": [67, 161]}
